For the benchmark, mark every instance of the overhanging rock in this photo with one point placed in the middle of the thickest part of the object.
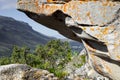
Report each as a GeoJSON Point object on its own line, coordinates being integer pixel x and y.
{"type": "Point", "coordinates": [95, 23]}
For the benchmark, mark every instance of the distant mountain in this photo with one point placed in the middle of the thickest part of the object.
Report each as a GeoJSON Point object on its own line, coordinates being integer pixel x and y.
{"type": "Point", "coordinates": [13, 32]}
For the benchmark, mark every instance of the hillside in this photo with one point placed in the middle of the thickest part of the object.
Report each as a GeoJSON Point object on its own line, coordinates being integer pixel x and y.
{"type": "Point", "coordinates": [13, 32]}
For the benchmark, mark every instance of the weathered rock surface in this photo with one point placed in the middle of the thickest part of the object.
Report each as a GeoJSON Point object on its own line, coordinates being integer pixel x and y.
{"type": "Point", "coordinates": [86, 71]}
{"type": "Point", "coordinates": [95, 23]}
{"type": "Point", "coordinates": [24, 72]}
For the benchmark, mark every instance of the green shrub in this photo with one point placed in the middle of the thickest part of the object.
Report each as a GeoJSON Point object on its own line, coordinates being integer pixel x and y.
{"type": "Point", "coordinates": [4, 61]}
{"type": "Point", "coordinates": [53, 57]}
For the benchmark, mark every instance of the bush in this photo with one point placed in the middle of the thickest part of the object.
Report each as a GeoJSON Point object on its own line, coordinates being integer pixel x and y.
{"type": "Point", "coordinates": [5, 60]}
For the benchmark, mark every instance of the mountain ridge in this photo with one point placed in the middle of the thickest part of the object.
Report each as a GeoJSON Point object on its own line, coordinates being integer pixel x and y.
{"type": "Point", "coordinates": [13, 32]}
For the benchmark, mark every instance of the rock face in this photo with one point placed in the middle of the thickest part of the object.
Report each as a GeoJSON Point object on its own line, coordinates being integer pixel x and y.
{"type": "Point", "coordinates": [24, 72]}
{"type": "Point", "coordinates": [95, 23]}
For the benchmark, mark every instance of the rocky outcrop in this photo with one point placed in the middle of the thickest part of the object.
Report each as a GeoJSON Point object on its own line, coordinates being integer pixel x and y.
{"type": "Point", "coordinates": [94, 23]}
{"type": "Point", "coordinates": [86, 71]}
{"type": "Point", "coordinates": [24, 72]}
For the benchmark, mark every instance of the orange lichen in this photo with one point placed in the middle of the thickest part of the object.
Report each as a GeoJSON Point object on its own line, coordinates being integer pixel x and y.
{"type": "Point", "coordinates": [105, 31]}
{"type": "Point", "coordinates": [116, 45]}
{"type": "Point", "coordinates": [84, 28]}
{"type": "Point", "coordinates": [97, 35]}
{"type": "Point", "coordinates": [81, 2]}
{"type": "Point", "coordinates": [111, 4]}
{"type": "Point", "coordinates": [92, 29]}
{"type": "Point", "coordinates": [50, 0]}
{"type": "Point", "coordinates": [108, 69]}
{"type": "Point", "coordinates": [20, 2]}
{"type": "Point", "coordinates": [36, 3]}
{"type": "Point", "coordinates": [98, 68]}
{"type": "Point", "coordinates": [47, 6]}
{"type": "Point", "coordinates": [118, 56]}
{"type": "Point", "coordinates": [98, 28]}
{"type": "Point", "coordinates": [79, 18]}
{"type": "Point", "coordinates": [108, 3]}
{"type": "Point", "coordinates": [88, 14]}
{"type": "Point", "coordinates": [92, 56]}
{"type": "Point", "coordinates": [64, 7]}
{"type": "Point", "coordinates": [105, 3]}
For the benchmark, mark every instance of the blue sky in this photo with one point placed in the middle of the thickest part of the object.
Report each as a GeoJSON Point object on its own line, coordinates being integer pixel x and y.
{"type": "Point", "coordinates": [8, 8]}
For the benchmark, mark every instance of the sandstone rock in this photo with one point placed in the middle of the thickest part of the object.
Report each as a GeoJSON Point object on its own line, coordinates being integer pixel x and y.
{"type": "Point", "coordinates": [24, 72]}
{"type": "Point", "coordinates": [94, 23]}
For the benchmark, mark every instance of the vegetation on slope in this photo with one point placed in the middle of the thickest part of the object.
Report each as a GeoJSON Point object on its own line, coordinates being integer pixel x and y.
{"type": "Point", "coordinates": [53, 57]}
{"type": "Point", "coordinates": [13, 32]}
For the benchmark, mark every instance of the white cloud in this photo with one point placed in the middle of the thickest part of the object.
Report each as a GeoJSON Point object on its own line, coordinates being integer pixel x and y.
{"type": "Point", "coordinates": [7, 4]}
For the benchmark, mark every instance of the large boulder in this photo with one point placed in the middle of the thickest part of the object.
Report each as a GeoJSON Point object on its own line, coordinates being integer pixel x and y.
{"type": "Point", "coordinates": [24, 72]}
{"type": "Point", "coordinates": [94, 23]}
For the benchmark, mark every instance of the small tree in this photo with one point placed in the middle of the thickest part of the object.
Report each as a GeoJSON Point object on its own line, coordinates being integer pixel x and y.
{"type": "Point", "coordinates": [33, 61]}
{"type": "Point", "coordinates": [54, 55]}
{"type": "Point", "coordinates": [19, 55]}
{"type": "Point", "coordinates": [24, 51]}
{"type": "Point", "coordinates": [15, 54]}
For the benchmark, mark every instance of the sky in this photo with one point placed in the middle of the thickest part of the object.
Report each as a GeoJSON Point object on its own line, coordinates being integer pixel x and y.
{"type": "Point", "coordinates": [8, 8]}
